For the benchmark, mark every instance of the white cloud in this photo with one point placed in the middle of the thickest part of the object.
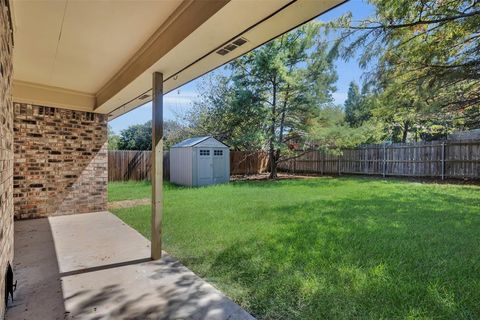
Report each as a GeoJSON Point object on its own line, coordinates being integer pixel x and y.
{"type": "Point", "coordinates": [179, 99]}
{"type": "Point", "coordinates": [178, 103]}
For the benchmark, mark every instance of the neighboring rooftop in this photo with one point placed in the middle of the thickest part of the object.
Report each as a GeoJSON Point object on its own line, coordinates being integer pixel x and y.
{"type": "Point", "coordinates": [465, 135]}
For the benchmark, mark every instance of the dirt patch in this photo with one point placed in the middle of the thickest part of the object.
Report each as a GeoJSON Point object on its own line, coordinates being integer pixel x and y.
{"type": "Point", "coordinates": [284, 176]}
{"type": "Point", "coordinates": [264, 176]}
{"type": "Point", "coordinates": [128, 203]}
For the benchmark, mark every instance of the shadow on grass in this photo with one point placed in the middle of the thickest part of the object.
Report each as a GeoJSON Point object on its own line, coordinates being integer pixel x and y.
{"type": "Point", "coordinates": [377, 257]}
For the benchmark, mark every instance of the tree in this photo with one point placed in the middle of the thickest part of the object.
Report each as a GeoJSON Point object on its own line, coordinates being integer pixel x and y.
{"type": "Point", "coordinates": [330, 131]}
{"type": "Point", "coordinates": [139, 136]}
{"type": "Point", "coordinates": [112, 139]}
{"type": "Point", "coordinates": [269, 97]}
{"type": "Point", "coordinates": [174, 132]}
{"type": "Point", "coordinates": [136, 137]}
{"type": "Point", "coordinates": [425, 57]}
{"type": "Point", "coordinates": [357, 108]}
{"type": "Point", "coordinates": [288, 80]}
{"type": "Point", "coordinates": [228, 113]}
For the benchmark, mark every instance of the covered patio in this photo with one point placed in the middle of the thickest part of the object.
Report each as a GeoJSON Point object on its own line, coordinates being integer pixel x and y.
{"type": "Point", "coordinates": [67, 68]}
{"type": "Point", "coordinates": [78, 267]}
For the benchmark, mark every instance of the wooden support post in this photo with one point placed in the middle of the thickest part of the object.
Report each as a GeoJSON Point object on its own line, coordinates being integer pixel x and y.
{"type": "Point", "coordinates": [157, 166]}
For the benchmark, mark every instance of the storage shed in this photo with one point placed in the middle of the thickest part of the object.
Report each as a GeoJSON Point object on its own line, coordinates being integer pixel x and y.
{"type": "Point", "coordinates": [199, 161]}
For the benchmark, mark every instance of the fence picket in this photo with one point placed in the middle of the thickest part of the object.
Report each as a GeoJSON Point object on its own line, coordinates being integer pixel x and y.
{"type": "Point", "coordinates": [436, 159]}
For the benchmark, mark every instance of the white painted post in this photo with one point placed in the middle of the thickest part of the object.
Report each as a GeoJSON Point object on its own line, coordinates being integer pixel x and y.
{"type": "Point", "coordinates": [157, 166]}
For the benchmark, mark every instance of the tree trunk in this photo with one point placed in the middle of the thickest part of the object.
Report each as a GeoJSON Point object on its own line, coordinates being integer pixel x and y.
{"type": "Point", "coordinates": [271, 151]}
{"type": "Point", "coordinates": [271, 155]}
{"type": "Point", "coordinates": [273, 166]}
{"type": "Point", "coordinates": [406, 127]}
{"type": "Point", "coordinates": [282, 118]}
{"type": "Point", "coordinates": [276, 156]}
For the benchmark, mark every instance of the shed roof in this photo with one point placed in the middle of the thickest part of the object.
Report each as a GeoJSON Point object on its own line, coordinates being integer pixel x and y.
{"type": "Point", "coordinates": [190, 142]}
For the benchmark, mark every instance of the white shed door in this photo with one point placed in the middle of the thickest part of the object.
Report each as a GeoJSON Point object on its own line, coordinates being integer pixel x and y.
{"type": "Point", "coordinates": [205, 166]}
{"type": "Point", "coordinates": [219, 165]}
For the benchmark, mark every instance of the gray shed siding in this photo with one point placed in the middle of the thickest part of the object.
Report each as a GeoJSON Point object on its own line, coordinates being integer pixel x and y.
{"type": "Point", "coordinates": [181, 166]}
{"type": "Point", "coordinates": [186, 161]}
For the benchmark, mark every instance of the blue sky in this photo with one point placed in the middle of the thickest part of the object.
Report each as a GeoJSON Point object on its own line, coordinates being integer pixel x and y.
{"type": "Point", "coordinates": [179, 101]}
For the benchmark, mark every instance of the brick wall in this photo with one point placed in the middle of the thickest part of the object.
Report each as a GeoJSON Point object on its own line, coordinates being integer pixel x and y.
{"type": "Point", "coordinates": [6, 149]}
{"type": "Point", "coordinates": [60, 161]}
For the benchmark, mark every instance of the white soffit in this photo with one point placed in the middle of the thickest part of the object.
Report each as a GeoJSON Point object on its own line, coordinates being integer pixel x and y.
{"type": "Point", "coordinates": [79, 45]}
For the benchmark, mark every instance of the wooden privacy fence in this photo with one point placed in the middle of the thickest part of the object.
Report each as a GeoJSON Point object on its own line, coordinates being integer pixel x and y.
{"type": "Point", "coordinates": [248, 162]}
{"type": "Point", "coordinates": [436, 159]}
{"type": "Point", "coordinates": [126, 165]}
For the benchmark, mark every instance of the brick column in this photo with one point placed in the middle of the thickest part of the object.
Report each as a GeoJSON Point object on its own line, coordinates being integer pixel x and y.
{"type": "Point", "coordinates": [60, 161]}
{"type": "Point", "coordinates": [6, 149]}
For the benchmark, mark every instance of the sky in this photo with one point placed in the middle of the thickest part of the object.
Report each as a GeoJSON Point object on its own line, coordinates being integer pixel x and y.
{"type": "Point", "coordinates": [179, 101]}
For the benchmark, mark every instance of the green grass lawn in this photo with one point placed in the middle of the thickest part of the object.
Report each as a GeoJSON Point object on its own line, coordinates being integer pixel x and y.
{"type": "Point", "coordinates": [327, 248]}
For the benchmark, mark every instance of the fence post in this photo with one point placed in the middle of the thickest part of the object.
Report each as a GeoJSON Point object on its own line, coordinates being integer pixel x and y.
{"type": "Point", "coordinates": [443, 160]}
{"type": "Point", "coordinates": [384, 159]}
{"type": "Point", "coordinates": [323, 163]}
{"type": "Point", "coordinates": [339, 165]}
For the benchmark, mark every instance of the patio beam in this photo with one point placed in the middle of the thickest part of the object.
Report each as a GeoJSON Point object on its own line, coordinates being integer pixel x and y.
{"type": "Point", "coordinates": [189, 16]}
{"type": "Point", "coordinates": [157, 166]}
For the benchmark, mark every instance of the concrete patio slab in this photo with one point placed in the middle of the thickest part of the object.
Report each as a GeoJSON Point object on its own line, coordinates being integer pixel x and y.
{"type": "Point", "coordinates": [93, 266]}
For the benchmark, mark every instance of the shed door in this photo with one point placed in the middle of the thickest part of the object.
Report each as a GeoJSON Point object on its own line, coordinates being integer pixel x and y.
{"type": "Point", "coordinates": [205, 166]}
{"type": "Point", "coordinates": [219, 165]}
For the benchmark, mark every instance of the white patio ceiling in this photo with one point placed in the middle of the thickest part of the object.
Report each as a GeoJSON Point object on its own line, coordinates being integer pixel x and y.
{"type": "Point", "coordinates": [99, 55]}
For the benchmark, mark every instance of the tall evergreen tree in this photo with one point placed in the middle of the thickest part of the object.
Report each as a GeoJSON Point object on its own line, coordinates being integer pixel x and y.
{"type": "Point", "coordinates": [290, 78]}
{"type": "Point", "coordinates": [357, 109]}
{"type": "Point", "coordinates": [270, 96]}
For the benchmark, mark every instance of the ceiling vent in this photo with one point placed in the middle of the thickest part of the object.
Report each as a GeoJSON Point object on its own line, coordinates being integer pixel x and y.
{"type": "Point", "coordinates": [232, 46]}
{"type": "Point", "coordinates": [143, 97]}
